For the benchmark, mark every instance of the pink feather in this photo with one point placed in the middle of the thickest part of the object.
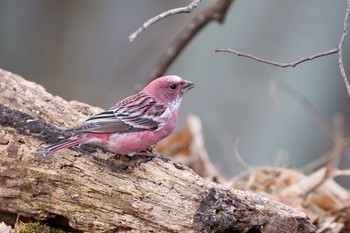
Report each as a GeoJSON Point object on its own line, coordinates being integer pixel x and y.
{"type": "Point", "coordinates": [136, 122]}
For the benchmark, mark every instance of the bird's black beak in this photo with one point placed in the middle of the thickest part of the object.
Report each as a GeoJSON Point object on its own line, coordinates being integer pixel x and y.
{"type": "Point", "coordinates": [187, 86]}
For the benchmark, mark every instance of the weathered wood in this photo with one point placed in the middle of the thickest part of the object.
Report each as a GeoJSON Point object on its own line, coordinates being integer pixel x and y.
{"type": "Point", "coordinates": [114, 194]}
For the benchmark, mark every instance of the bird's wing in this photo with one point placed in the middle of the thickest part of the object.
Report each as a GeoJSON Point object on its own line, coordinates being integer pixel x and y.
{"type": "Point", "coordinates": [136, 113]}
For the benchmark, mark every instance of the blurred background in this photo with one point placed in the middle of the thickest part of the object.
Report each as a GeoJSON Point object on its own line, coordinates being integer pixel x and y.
{"type": "Point", "coordinates": [79, 50]}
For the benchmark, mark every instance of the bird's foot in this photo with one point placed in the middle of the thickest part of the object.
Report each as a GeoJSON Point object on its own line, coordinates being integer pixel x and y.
{"type": "Point", "coordinates": [151, 154]}
{"type": "Point", "coordinates": [44, 151]}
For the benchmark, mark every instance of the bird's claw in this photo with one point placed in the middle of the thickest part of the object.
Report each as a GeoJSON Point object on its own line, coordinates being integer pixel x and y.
{"type": "Point", "coordinates": [151, 156]}
{"type": "Point", "coordinates": [45, 152]}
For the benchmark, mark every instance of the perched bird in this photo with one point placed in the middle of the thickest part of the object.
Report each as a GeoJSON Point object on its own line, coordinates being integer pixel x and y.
{"type": "Point", "coordinates": [135, 123]}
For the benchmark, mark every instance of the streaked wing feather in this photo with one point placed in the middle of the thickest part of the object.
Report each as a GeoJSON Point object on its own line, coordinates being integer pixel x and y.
{"type": "Point", "coordinates": [103, 127]}
{"type": "Point", "coordinates": [142, 113]}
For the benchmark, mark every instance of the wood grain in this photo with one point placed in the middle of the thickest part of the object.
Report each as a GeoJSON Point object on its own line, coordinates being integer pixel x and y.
{"type": "Point", "coordinates": [85, 189]}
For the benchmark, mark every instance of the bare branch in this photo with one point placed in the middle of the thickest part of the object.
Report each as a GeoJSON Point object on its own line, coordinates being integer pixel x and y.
{"type": "Point", "coordinates": [309, 107]}
{"type": "Point", "coordinates": [345, 172]}
{"type": "Point", "coordinates": [335, 132]}
{"type": "Point", "coordinates": [340, 48]}
{"type": "Point", "coordinates": [279, 64]}
{"type": "Point", "coordinates": [238, 155]}
{"type": "Point", "coordinates": [186, 9]}
{"type": "Point", "coordinates": [337, 149]}
{"type": "Point", "coordinates": [215, 12]}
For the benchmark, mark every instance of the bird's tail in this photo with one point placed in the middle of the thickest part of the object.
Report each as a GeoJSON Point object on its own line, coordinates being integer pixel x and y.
{"type": "Point", "coordinates": [61, 145]}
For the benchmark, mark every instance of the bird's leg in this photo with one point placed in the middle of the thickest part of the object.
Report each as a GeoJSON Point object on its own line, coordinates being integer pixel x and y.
{"type": "Point", "coordinates": [151, 154]}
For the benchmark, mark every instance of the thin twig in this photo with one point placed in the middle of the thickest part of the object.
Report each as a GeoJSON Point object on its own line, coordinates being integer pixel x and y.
{"type": "Point", "coordinates": [345, 172]}
{"type": "Point", "coordinates": [279, 64]}
{"type": "Point", "coordinates": [336, 150]}
{"type": "Point", "coordinates": [340, 48]}
{"type": "Point", "coordinates": [239, 157]}
{"type": "Point", "coordinates": [309, 107]}
{"type": "Point", "coordinates": [165, 14]}
{"type": "Point", "coordinates": [215, 12]}
{"type": "Point", "coordinates": [252, 176]}
{"type": "Point", "coordinates": [335, 133]}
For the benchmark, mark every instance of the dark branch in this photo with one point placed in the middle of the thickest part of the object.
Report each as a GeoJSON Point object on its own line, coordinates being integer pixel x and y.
{"type": "Point", "coordinates": [214, 12]}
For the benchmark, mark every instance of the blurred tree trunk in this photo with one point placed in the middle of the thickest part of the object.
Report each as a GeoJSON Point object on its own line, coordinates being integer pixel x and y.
{"type": "Point", "coordinates": [92, 191]}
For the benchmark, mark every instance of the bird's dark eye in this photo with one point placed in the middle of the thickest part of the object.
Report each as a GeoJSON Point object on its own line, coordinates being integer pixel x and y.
{"type": "Point", "coordinates": [173, 86]}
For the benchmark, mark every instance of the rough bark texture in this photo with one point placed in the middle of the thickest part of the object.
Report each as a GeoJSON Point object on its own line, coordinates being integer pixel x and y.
{"type": "Point", "coordinates": [88, 190]}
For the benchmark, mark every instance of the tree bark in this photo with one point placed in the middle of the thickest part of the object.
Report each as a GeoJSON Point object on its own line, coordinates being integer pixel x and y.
{"type": "Point", "coordinates": [86, 189]}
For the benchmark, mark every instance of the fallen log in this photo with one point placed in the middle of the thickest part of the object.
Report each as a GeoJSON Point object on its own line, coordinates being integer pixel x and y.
{"type": "Point", "coordinates": [86, 189]}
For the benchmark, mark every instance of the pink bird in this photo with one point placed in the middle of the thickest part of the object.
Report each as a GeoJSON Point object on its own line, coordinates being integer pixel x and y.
{"type": "Point", "coordinates": [135, 123]}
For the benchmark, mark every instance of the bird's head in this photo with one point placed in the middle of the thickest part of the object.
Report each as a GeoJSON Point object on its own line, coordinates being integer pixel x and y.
{"type": "Point", "coordinates": [168, 89]}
